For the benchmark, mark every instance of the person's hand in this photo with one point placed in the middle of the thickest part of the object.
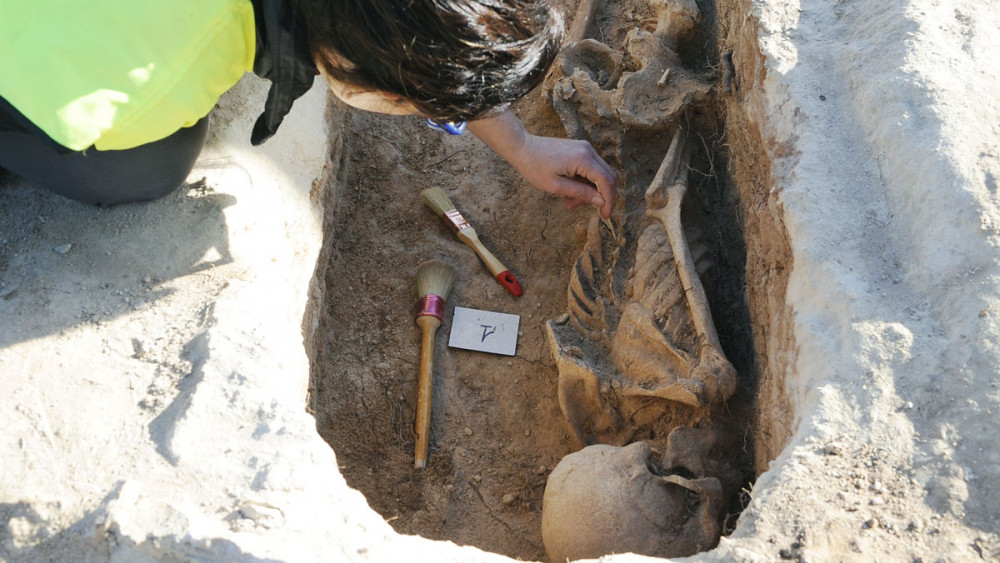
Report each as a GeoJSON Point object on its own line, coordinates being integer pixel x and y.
{"type": "Point", "coordinates": [568, 168]}
{"type": "Point", "coordinates": [565, 167]}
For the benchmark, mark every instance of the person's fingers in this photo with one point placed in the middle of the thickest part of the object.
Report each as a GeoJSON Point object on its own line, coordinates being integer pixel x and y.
{"type": "Point", "coordinates": [607, 191]}
{"type": "Point", "coordinates": [605, 179]}
{"type": "Point", "coordinates": [576, 190]}
{"type": "Point", "coordinates": [572, 169]}
{"type": "Point", "coordinates": [599, 174]}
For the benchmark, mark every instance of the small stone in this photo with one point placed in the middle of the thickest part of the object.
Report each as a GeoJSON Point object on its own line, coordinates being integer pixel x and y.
{"type": "Point", "coordinates": [509, 499]}
{"type": "Point", "coordinates": [527, 432]}
{"type": "Point", "coordinates": [63, 248]}
{"type": "Point", "coordinates": [541, 470]}
{"type": "Point", "coordinates": [467, 431]}
{"type": "Point", "coordinates": [137, 349]}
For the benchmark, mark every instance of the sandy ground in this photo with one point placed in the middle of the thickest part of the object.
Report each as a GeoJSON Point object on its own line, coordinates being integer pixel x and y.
{"type": "Point", "coordinates": [157, 361]}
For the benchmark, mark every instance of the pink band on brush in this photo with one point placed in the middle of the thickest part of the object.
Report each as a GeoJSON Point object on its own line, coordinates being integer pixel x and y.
{"type": "Point", "coordinates": [432, 305]}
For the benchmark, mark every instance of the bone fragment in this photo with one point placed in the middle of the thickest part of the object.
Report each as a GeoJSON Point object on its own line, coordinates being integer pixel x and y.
{"type": "Point", "coordinates": [663, 78]}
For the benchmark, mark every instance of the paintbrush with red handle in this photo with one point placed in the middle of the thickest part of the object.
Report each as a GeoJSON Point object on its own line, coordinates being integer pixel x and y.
{"type": "Point", "coordinates": [436, 199]}
{"type": "Point", "coordinates": [434, 280]}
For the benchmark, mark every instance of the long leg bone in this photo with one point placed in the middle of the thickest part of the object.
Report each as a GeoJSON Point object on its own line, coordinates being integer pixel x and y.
{"type": "Point", "coordinates": [663, 199]}
{"type": "Point", "coordinates": [676, 20]}
{"type": "Point", "coordinates": [583, 20]}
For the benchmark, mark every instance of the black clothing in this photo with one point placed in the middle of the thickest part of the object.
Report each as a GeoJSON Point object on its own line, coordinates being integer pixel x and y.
{"type": "Point", "coordinates": [283, 58]}
{"type": "Point", "coordinates": [105, 178]}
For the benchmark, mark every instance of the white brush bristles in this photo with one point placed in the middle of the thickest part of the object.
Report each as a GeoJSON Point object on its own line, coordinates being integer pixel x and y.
{"type": "Point", "coordinates": [435, 278]}
{"type": "Point", "coordinates": [437, 200]}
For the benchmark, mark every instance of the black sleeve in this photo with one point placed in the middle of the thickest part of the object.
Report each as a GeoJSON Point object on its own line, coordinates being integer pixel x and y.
{"type": "Point", "coordinates": [283, 58]}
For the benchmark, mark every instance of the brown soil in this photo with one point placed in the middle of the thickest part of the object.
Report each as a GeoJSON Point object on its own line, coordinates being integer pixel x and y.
{"type": "Point", "coordinates": [497, 430]}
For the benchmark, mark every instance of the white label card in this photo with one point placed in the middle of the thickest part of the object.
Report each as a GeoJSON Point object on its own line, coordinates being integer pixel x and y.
{"type": "Point", "coordinates": [484, 331]}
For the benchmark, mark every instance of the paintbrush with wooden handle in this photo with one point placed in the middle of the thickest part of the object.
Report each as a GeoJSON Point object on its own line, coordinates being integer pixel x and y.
{"type": "Point", "coordinates": [436, 199]}
{"type": "Point", "coordinates": [434, 280]}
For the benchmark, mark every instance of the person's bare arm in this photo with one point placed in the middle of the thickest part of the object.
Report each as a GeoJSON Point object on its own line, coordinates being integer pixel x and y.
{"type": "Point", "coordinates": [564, 167]}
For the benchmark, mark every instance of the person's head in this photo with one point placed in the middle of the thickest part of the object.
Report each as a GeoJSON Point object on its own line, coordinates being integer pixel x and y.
{"type": "Point", "coordinates": [453, 60]}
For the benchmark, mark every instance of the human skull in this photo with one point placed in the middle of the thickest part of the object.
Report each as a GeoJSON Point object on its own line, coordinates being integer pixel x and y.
{"type": "Point", "coordinates": [605, 499]}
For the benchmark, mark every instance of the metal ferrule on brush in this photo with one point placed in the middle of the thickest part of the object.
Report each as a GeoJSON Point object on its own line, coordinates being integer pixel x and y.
{"type": "Point", "coordinates": [456, 220]}
{"type": "Point", "coordinates": [433, 306]}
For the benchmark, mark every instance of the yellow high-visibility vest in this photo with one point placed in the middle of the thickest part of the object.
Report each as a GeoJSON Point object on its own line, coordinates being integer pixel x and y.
{"type": "Point", "coordinates": [116, 74]}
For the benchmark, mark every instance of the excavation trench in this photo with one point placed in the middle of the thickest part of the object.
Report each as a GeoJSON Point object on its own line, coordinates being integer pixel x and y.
{"type": "Point", "coordinates": [497, 429]}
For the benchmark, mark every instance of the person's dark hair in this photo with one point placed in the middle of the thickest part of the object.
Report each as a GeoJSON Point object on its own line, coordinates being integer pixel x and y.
{"type": "Point", "coordinates": [454, 60]}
